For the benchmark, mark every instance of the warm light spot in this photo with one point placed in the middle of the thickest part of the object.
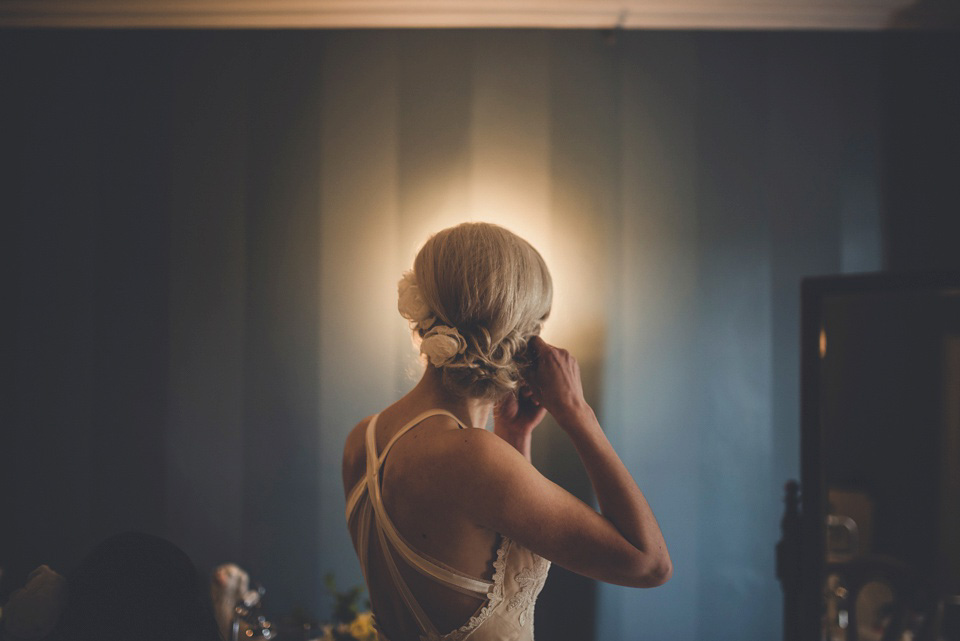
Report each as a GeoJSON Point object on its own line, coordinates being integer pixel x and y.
{"type": "Point", "coordinates": [533, 228]}
{"type": "Point", "coordinates": [823, 342]}
{"type": "Point", "coordinates": [503, 202]}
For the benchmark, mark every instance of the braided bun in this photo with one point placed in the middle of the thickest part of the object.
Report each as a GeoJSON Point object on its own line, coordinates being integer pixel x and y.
{"type": "Point", "coordinates": [476, 295]}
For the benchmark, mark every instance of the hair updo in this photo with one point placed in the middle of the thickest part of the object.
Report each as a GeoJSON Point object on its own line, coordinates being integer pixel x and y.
{"type": "Point", "coordinates": [475, 296]}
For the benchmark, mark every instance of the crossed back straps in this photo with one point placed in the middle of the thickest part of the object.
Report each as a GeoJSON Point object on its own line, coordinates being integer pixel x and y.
{"type": "Point", "coordinates": [366, 497]}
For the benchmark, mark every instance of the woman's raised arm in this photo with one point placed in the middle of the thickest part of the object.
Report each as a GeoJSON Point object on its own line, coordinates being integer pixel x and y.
{"type": "Point", "coordinates": [622, 544]}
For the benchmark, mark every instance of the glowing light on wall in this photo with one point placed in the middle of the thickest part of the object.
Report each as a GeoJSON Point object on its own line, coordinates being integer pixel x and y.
{"type": "Point", "coordinates": [503, 201]}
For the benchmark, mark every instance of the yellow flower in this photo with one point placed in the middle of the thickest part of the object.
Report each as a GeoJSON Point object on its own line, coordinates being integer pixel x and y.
{"type": "Point", "coordinates": [362, 627]}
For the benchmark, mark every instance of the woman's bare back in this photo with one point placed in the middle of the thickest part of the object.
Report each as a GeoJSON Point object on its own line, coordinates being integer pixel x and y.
{"type": "Point", "coordinates": [414, 480]}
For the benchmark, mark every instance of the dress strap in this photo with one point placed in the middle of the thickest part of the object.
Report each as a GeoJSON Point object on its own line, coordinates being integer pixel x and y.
{"type": "Point", "coordinates": [421, 617]}
{"type": "Point", "coordinates": [424, 564]}
{"type": "Point", "coordinates": [355, 495]}
{"type": "Point", "coordinates": [363, 538]}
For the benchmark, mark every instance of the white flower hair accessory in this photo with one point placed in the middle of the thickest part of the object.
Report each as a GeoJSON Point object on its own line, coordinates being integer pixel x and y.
{"type": "Point", "coordinates": [410, 302]}
{"type": "Point", "coordinates": [442, 344]}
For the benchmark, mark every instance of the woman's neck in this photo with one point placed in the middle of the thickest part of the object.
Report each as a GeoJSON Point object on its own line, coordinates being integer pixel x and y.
{"type": "Point", "coordinates": [431, 392]}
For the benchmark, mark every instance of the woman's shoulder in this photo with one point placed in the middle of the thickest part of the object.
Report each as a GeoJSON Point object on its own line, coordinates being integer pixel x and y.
{"type": "Point", "coordinates": [444, 436]}
{"type": "Point", "coordinates": [456, 462]}
{"type": "Point", "coordinates": [437, 448]}
{"type": "Point", "coordinates": [445, 439]}
{"type": "Point", "coordinates": [435, 442]}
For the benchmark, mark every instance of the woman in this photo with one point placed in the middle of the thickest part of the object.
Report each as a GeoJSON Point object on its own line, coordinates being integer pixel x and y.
{"type": "Point", "coordinates": [454, 528]}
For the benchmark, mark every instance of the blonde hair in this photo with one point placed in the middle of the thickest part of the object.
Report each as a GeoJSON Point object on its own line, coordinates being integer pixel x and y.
{"type": "Point", "coordinates": [490, 289]}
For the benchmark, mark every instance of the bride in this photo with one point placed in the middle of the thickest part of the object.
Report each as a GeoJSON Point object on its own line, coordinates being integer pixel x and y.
{"type": "Point", "coordinates": [454, 528]}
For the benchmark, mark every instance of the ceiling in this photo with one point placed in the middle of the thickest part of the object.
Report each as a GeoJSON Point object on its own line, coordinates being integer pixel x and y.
{"type": "Point", "coordinates": [629, 14]}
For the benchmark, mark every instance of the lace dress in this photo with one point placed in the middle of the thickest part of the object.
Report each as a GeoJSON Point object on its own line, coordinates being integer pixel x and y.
{"type": "Point", "coordinates": [509, 598]}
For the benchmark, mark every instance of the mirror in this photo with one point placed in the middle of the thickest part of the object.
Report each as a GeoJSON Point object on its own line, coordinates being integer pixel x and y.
{"type": "Point", "coordinates": [880, 533]}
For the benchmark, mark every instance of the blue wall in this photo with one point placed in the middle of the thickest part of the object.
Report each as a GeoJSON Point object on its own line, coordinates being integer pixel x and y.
{"type": "Point", "coordinates": [750, 161]}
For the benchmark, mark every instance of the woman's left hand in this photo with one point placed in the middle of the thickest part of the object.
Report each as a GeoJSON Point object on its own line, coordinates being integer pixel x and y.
{"type": "Point", "coordinates": [515, 417]}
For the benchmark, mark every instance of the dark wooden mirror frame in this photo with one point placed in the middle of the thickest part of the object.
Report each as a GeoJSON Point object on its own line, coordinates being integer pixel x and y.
{"type": "Point", "coordinates": [801, 563]}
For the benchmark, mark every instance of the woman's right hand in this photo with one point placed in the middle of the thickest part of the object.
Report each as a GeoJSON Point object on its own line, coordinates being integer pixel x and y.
{"type": "Point", "coordinates": [554, 379]}
{"type": "Point", "coordinates": [501, 491]}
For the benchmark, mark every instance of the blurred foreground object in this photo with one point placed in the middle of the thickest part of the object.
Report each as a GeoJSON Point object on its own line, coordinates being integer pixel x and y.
{"type": "Point", "coordinates": [236, 605]}
{"type": "Point", "coordinates": [136, 586]}
{"type": "Point", "coordinates": [229, 588]}
{"type": "Point", "coordinates": [33, 611]}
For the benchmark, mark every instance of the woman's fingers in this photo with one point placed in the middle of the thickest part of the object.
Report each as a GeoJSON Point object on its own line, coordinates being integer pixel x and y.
{"type": "Point", "coordinates": [527, 393]}
{"type": "Point", "coordinates": [539, 347]}
{"type": "Point", "coordinates": [554, 376]}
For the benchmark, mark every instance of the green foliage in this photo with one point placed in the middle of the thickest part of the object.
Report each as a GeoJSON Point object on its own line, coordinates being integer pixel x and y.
{"type": "Point", "coordinates": [301, 617]}
{"type": "Point", "coordinates": [346, 605]}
